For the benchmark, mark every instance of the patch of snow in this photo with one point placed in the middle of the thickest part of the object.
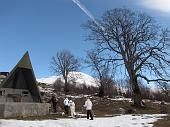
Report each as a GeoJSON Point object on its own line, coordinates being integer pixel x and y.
{"type": "Point", "coordinates": [121, 99]}
{"type": "Point", "coordinates": [46, 90]}
{"type": "Point", "coordinates": [118, 121]}
{"type": "Point", "coordinates": [159, 102]}
{"type": "Point", "coordinates": [79, 96]}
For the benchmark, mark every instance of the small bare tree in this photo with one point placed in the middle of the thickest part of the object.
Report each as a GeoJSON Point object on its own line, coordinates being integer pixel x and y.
{"type": "Point", "coordinates": [63, 63]}
{"type": "Point", "coordinates": [165, 88]}
{"type": "Point", "coordinates": [100, 68]}
{"type": "Point", "coordinates": [135, 42]}
{"type": "Point", "coordinates": [109, 87]}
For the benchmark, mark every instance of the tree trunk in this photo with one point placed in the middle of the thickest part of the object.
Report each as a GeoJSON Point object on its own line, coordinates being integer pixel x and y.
{"type": "Point", "coordinates": [137, 98]}
{"type": "Point", "coordinates": [101, 90]}
{"type": "Point", "coordinates": [66, 90]}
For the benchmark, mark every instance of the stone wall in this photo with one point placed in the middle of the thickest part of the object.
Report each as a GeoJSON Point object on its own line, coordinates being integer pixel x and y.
{"type": "Point", "coordinates": [15, 95]}
{"type": "Point", "coordinates": [14, 109]}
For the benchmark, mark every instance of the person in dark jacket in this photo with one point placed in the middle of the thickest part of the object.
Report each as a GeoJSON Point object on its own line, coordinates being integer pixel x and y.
{"type": "Point", "coordinates": [163, 109]}
{"type": "Point", "coordinates": [54, 101]}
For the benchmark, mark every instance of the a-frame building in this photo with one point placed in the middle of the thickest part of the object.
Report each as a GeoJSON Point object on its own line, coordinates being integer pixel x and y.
{"type": "Point", "coordinates": [20, 85]}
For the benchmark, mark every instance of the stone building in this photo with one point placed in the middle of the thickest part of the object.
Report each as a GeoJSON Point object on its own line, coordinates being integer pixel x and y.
{"type": "Point", "coordinates": [19, 93]}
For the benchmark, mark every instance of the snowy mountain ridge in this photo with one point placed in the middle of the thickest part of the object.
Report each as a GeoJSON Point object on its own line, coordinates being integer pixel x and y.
{"type": "Point", "coordinates": [77, 78]}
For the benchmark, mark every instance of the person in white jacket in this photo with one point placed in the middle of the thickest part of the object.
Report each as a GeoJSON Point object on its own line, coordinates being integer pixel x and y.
{"type": "Point", "coordinates": [88, 105]}
{"type": "Point", "coordinates": [66, 105]}
{"type": "Point", "coordinates": [72, 108]}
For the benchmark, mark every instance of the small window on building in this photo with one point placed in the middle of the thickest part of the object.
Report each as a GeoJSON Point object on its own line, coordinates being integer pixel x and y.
{"type": "Point", "coordinates": [1, 93]}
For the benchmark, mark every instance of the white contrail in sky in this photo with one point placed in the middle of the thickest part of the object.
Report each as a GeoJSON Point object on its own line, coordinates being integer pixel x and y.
{"type": "Point", "coordinates": [86, 11]}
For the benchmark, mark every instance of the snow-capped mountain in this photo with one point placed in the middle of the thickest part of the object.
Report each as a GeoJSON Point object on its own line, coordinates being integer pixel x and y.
{"type": "Point", "coordinates": [77, 78]}
{"type": "Point", "coordinates": [48, 80]}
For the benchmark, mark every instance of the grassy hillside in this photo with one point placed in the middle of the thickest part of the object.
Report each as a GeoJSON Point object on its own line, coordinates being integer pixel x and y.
{"type": "Point", "coordinates": [108, 106]}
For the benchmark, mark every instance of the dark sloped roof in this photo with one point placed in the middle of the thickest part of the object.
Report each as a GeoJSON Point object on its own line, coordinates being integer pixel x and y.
{"type": "Point", "coordinates": [22, 77]}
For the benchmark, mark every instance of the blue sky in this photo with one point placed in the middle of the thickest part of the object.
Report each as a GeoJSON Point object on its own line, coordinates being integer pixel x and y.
{"type": "Point", "coordinates": [44, 27]}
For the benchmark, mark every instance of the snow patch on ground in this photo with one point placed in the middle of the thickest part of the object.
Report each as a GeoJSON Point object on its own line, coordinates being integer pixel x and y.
{"type": "Point", "coordinates": [121, 99]}
{"type": "Point", "coordinates": [46, 90]}
{"type": "Point", "coordinates": [118, 121]}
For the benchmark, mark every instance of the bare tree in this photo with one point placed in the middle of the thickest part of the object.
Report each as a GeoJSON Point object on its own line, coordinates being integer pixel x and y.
{"type": "Point", "coordinates": [100, 68]}
{"type": "Point", "coordinates": [109, 87]}
{"type": "Point", "coordinates": [63, 63]}
{"type": "Point", "coordinates": [165, 88]}
{"type": "Point", "coordinates": [133, 41]}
